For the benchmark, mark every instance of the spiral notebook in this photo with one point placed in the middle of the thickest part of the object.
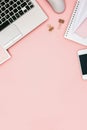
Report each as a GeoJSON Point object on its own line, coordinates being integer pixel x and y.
{"type": "Point", "coordinates": [77, 28]}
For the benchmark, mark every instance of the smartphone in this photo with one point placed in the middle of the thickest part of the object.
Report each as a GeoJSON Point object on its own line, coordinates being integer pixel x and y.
{"type": "Point", "coordinates": [83, 62]}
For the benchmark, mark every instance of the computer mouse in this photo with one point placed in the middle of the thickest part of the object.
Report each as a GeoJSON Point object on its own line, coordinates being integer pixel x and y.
{"type": "Point", "coordinates": [57, 5]}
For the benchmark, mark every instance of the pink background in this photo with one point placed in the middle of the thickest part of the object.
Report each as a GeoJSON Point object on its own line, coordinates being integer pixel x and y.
{"type": "Point", "coordinates": [41, 87]}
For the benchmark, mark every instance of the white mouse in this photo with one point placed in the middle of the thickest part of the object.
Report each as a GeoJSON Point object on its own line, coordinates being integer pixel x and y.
{"type": "Point", "coordinates": [57, 5]}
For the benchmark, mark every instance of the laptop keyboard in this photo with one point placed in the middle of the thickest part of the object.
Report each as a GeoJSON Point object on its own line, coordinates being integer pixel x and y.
{"type": "Point", "coordinates": [11, 10]}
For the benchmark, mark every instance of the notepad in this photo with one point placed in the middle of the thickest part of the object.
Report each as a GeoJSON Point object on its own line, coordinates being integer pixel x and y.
{"type": "Point", "coordinates": [77, 28]}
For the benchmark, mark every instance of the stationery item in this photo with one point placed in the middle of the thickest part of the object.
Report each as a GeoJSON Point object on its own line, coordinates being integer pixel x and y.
{"type": "Point", "coordinates": [51, 28]}
{"type": "Point", "coordinates": [4, 55]}
{"type": "Point", "coordinates": [77, 28]}
{"type": "Point", "coordinates": [61, 21]}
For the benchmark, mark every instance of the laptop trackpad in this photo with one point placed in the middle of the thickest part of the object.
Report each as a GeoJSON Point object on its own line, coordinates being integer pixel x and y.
{"type": "Point", "coordinates": [9, 35]}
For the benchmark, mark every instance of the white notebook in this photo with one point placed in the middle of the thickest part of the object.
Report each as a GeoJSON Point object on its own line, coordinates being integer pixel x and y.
{"type": "Point", "coordinates": [77, 28]}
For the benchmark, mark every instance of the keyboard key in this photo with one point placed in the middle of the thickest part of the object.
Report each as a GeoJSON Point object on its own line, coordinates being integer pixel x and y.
{"type": "Point", "coordinates": [21, 12]}
{"type": "Point", "coordinates": [2, 4]}
{"type": "Point", "coordinates": [31, 6]}
{"type": "Point", "coordinates": [6, 11]}
{"type": "Point", "coordinates": [4, 25]}
{"type": "Point", "coordinates": [27, 7]}
{"type": "Point", "coordinates": [14, 5]}
{"type": "Point", "coordinates": [19, 8]}
{"type": "Point", "coordinates": [27, 0]}
{"type": "Point", "coordinates": [6, 1]}
{"type": "Point", "coordinates": [11, 2]}
{"type": "Point", "coordinates": [23, 5]}
{"type": "Point", "coordinates": [11, 13]}
{"type": "Point", "coordinates": [29, 3]}
{"type": "Point", "coordinates": [21, 0]}
{"type": "Point", "coordinates": [15, 10]}
{"type": "Point", "coordinates": [3, 19]}
{"type": "Point", "coordinates": [18, 3]}
{"type": "Point", "coordinates": [11, 8]}
{"type": "Point", "coordinates": [2, 14]}
{"type": "Point", "coordinates": [13, 17]}
{"type": "Point", "coordinates": [25, 10]}
{"type": "Point", "coordinates": [17, 15]}
{"type": "Point", "coordinates": [7, 5]}
{"type": "Point", "coordinates": [11, 20]}
{"type": "Point", "coordinates": [7, 16]}
{"type": "Point", "coordinates": [3, 8]}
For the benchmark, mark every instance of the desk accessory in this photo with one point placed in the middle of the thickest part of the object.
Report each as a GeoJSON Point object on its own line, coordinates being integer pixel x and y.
{"type": "Point", "coordinates": [50, 28]}
{"type": "Point", "coordinates": [61, 21]}
{"type": "Point", "coordinates": [77, 24]}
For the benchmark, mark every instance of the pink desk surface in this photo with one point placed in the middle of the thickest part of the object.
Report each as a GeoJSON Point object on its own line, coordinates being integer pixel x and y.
{"type": "Point", "coordinates": [41, 86]}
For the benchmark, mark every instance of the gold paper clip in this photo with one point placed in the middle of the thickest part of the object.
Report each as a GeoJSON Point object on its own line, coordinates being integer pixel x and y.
{"type": "Point", "coordinates": [51, 28]}
{"type": "Point", "coordinates": [61, 21]}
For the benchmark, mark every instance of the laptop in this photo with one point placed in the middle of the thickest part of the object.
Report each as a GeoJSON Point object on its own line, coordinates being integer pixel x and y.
{"type": "Point", "coordinates": [17, 19]}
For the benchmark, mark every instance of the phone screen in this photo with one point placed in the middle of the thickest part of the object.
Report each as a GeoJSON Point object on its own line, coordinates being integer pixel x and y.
{"type": "Point", "coordinates": [83, 62]}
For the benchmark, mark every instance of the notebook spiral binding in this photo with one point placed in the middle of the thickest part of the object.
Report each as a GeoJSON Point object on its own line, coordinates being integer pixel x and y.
{"type": "Point", "coordinates": [72, 18]}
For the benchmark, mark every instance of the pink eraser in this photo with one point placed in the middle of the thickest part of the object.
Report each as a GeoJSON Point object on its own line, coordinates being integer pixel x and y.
{"type": "Point", "coordinates": [4, 55]}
